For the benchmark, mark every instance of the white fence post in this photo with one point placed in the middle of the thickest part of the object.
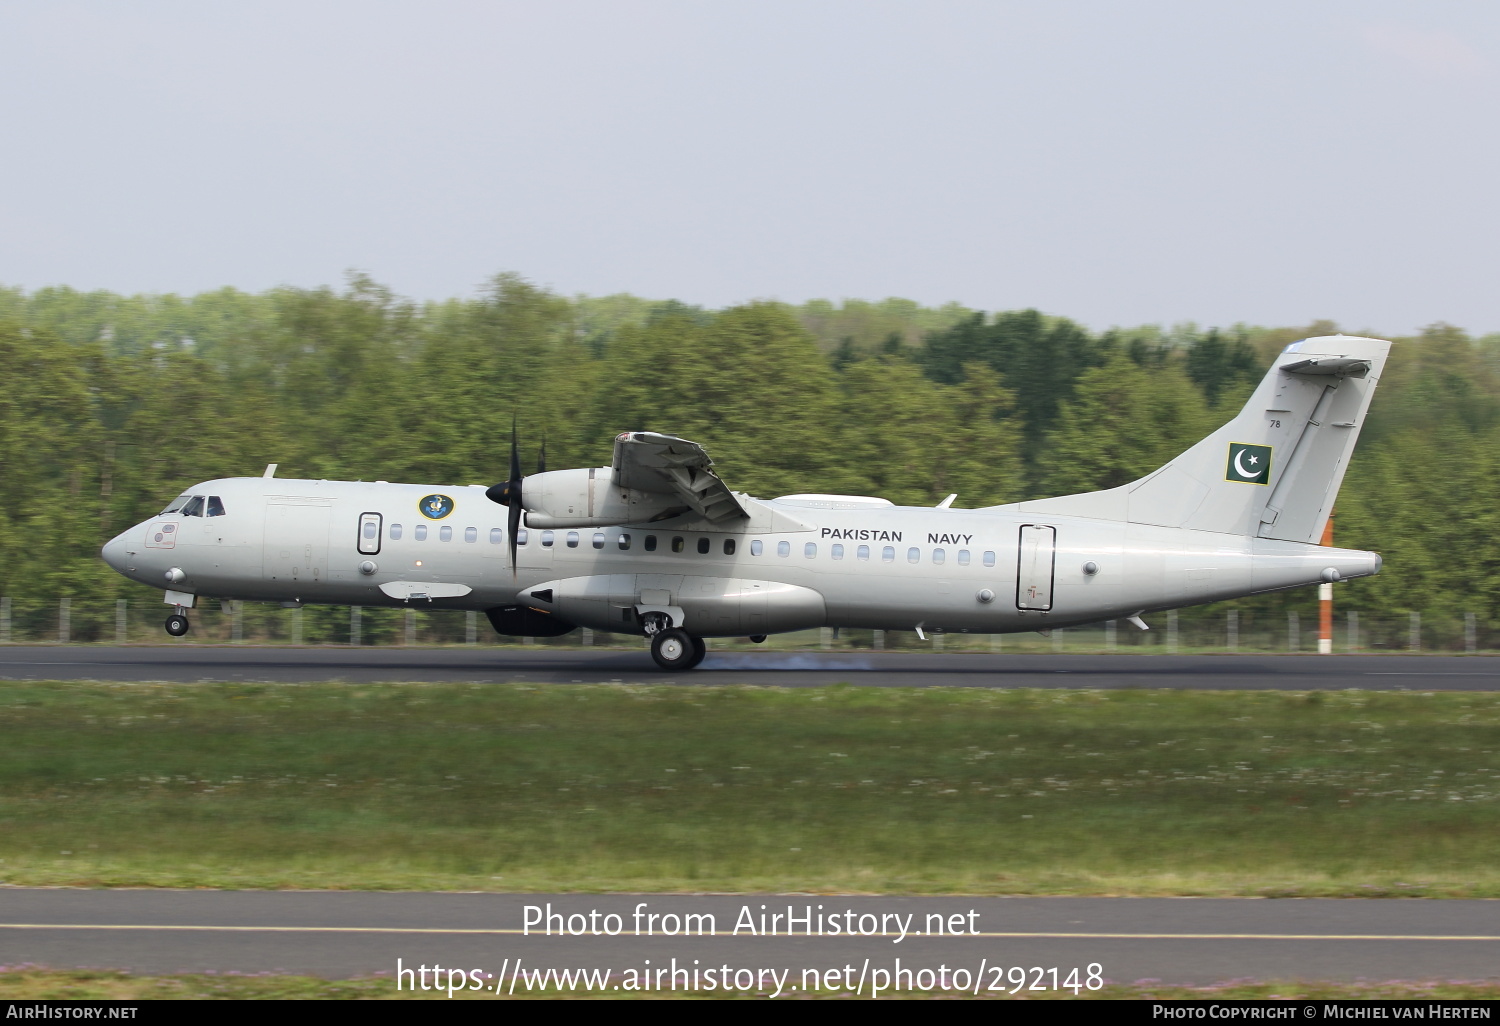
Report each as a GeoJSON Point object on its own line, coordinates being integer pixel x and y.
{"type": "Point", "coordinates": [356, 625]}
{"type": "Point", "coordinates": [64, 619]}
{"type": "Point", "coordinates": [825, 638]}
{"type": "Point", "coordinates": [4, 619]}
{"type": "Point", "coordinates": [1172, 631]}
{"type": "Point", "coordinates": [588, 638]}
{"type": "Point", "coordinates": [1414, 632]}
{"type": "Point", "coordinates": [236, 621]}
{"type": "Point", "coordinates": [411, 626]}
{"type": "Point", "coordinates": [471, 629]}
{"type": "Point", "coordinates": [297, 626]}
{"type": "Point", "coordinates": [1353, 634]}
{"type": "Point", "coordinates": [1471, 635]}
{"type": "Point", "coordinates": [878, 641]}
{"type": "Point", "coordinates": [1234, 630]}
{"type": "Point", "coordinates": [996, 640]}
{"type": "Point", "coordinates": [1109, 635]}
{"type": "Point", "coordinates": [122, 622]}
{"type": "Point", "coordinates": [1293, 632]}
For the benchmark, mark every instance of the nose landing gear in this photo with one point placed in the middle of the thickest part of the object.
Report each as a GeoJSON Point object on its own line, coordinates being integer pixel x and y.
{"type": "Point", "coordinates": [177, 625]}
{"type": "Point", "coordinates": [676, 649]}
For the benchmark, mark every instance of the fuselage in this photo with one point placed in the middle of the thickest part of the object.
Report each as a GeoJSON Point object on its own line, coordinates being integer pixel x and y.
{"type": "Point", "coordinates": [806, 563]}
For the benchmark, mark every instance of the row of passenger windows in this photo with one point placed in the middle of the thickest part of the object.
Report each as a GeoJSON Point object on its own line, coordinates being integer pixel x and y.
{"type": "Point", "coordinates": [678, 544]}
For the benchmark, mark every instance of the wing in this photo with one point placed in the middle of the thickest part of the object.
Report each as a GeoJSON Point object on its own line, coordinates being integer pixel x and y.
{"type": "Point", "coordinates": [666, 464]}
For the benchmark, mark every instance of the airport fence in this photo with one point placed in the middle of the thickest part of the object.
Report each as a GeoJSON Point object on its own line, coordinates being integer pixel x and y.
{"type": "Point", "coordinates": [70, 620]}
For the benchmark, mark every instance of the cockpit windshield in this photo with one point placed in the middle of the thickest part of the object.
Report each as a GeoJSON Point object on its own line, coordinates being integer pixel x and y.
{"type": "Point", "coordinates": [215, 506]}
{"type": "Point", "coordinates": [175, 506]}
{"type": "Point", "coordinates": [194, 507]}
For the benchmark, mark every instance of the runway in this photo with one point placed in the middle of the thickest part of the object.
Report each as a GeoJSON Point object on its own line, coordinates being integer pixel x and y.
{"type": "Point", "coordinates": [341, 934]}
{"type": "Point", "coordinates": [189, 663]}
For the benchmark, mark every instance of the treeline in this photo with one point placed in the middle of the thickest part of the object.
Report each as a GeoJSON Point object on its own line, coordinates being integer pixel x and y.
{"type": "Point", "coordinates": [110, 405]}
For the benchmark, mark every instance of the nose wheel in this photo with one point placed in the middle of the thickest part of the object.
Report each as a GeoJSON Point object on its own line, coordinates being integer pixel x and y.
{"type": "Point", "coordinates": [177, 625]}
{"type": "Point", "coordinates": [675, 649]}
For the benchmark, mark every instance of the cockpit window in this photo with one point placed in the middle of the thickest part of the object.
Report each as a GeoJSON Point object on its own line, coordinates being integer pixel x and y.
{"type": "Point", "coordinates": [194, 507]}
{"type": "Point", "coordinates": [175, 506]}
{"type": "Point", "coordinates": [215, 506]}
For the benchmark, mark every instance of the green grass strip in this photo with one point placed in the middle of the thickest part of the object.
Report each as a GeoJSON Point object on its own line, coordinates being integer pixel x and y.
{"type": "Point", "coordinates": [739, 788]}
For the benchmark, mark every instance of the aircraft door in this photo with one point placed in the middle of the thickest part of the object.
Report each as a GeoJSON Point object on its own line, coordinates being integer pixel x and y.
{"type": "Point", "coordinates": [369, 534]}
{"type": "Point", "coordinates": [296, 542]}
{"type": "Point", "coordinates": [1034, 575]}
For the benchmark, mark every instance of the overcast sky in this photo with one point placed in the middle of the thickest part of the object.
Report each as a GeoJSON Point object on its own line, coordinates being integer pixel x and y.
{"type": "Point", "coordinates": [1120, 163]}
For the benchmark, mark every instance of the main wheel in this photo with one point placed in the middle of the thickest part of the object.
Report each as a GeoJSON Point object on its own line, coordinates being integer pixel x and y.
{"type": "Point", "coordinates": [699, 650]}
{"type": "Point", "coordinates": [674, 649]}
{"type": "Point", "coordinates": [177, 625]}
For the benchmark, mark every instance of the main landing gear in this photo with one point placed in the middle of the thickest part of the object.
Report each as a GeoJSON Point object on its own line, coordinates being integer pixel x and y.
{"type": "Point", "coordinates": [177, 625]}
{"type": "Point", "coordinates": [675, 649]}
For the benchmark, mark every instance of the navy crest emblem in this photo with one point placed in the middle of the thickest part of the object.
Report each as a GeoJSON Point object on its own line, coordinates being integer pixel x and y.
{"type": "Point", "coordinates": [435, 507]}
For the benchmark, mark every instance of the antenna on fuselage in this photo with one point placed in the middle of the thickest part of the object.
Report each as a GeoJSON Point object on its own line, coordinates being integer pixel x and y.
{"type": "Point", "coordinates": [270, 470]}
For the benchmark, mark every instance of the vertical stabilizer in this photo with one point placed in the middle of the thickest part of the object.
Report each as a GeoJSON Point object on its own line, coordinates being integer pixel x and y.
{"type": "Point", "coordinates": [1275, 469]}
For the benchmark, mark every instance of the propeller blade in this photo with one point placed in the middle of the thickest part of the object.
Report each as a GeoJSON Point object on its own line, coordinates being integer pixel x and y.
{"type": "Point", "coordinates": [514, 523]}
{"type": "Point", "coordinates": [509, 493]}
{"type": "Point", "coordinates": [541, 456]}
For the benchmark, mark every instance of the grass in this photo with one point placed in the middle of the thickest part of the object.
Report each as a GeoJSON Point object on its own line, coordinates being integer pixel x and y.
{"type": "Point", "coordinates": [25, 984]}
{"type": "Point", "coordinates": [612, 787]}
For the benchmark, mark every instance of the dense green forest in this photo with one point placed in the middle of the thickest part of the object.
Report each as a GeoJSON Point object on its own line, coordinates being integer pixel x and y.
{"type": "Point", "coordinates": [110, 405]}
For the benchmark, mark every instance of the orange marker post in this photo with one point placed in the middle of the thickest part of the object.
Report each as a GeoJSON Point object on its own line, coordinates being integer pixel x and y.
{"type": "Point", "coordinates": [1325, 601]}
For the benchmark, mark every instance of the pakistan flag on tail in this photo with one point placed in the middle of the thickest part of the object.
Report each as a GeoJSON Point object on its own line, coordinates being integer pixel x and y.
{"type": "Point", "coordinates": [1249, 463]}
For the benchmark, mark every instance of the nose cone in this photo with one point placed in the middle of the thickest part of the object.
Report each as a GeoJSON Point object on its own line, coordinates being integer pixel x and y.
{"type": "Point", "coordinates": [115, 554]}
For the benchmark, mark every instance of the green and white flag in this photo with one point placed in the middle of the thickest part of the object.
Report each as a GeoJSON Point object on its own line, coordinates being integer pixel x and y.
{"type": "Point", "coordinates": [1249, 464]}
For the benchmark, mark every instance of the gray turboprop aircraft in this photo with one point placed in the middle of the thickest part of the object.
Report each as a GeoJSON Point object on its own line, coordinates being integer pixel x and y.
{"type": "Point", "coordinates": [656, 544]}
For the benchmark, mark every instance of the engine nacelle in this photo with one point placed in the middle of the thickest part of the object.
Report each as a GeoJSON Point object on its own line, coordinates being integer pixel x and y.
{"type": "Point", "coordinates": [588, 498]}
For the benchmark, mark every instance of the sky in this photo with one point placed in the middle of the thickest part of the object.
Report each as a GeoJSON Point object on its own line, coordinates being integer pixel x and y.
{"type": "Point", "coordinates": [1118, 163]}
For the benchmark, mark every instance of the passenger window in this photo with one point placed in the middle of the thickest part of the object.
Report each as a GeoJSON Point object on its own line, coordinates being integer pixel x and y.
{"type": "Point", "coordinates": [215, 506]}
{"type": "Point", "coordinates": [497, 536]}
{"type": "Point", "coordinates": [420, 533]}
{"type": "Point", "coordinates": [756, 548]}
{"type": "Point", "coordinates": [523, 536]}
{"type": "Point", "coordinates": [703, 545]}
{"type": "Point", "coordinates": [837, 552]}
{"type": "Point", "coordinates": [938, 555]}
{"type": "Point", "coordinates": [810, 549]}
{"type": "Point", "coordinates": [395, 532]}
{"type": "Point", "coordinates": [783, 548]}
{"type": "Point", "coordinates": [624, 542]}
{"type": "Point", "coordinates": [445, 533]}
{"type": "Point", "coordinates": [863, 552]}
{"type": "Point", "coordinates": [572, 539]}
{"type": "Point", "coordinates": [989, 559]}
{"type": "Point", "coordinates": [678, 544]}
{"type": "Point", "coordinates": [728, 546]}
{"type": "Point", "coordinates": [471, 535]}
{"type": "Point", "coordinates": [888, 554]}
{"type": "Point", "coordinates": [548, 537]}
{"type": "Point", "coordinates": [963, 557]}
{"type": "Point", "coordinates": [194, 508]}
{"type": "Point", "coordinates": [650, 543]}
{"type": "Point", "coordinates": [914, 555]}
{"type": "Point", "coordinates": [598, 539]}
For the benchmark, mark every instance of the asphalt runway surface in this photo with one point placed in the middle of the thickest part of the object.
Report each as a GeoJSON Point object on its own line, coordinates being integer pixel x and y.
{"type": "Point", "coordinates": [340, 934]}
{"type": "Point", "coordinates": [189, 663]}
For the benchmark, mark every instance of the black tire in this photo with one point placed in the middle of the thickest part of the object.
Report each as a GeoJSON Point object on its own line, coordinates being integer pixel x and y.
{"type": "Point", "coordinates": [177, 625]}
{"type": "Point", "coordinates": [699, 650]}
{"type": "Point", "coordinates": [673, 649]}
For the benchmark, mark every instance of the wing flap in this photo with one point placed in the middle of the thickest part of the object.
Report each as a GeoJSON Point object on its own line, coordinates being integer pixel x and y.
{"type": "Point", "coordinates": [652, 462]}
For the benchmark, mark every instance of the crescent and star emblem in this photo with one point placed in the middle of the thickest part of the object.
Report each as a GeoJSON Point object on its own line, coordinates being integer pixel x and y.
{"type": "Point", "coordinates": [1249, 464]}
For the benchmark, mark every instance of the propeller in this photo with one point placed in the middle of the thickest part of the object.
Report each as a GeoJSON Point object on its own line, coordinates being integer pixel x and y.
{"type": "Point", "coordinates": [508, 493]}
{"type": "Point", "coordinates": [541, 456]}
